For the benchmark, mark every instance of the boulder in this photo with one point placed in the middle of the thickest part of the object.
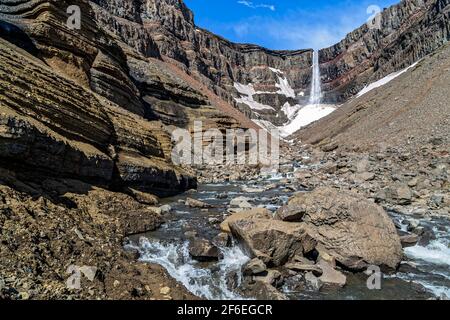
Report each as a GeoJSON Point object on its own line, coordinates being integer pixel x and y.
{"type": "Point", "coordinates": [399, 193]}
{"type": "Point", "coordinates": [165, 209]}
{"type": "Point", "coordinates": [298, 267]}
{"type": "Point", "coordinates": [271, 277]}
{"type": "Point", "coordinates": [222, 240]}
{"type": "Point", "coordinates": [274, 242]}
{"type": "Point", "coordinates": [409, 240]}
{"type": "Point", "coordinates": [237, 201]}
{"type": "Point", "coordinates": [292, 212]}
{"type": "Point", "coordinates": [330, 276]}
{"type": "Point", "coordinates": [254, 213]}
{"type": "Point", "coordinates": [353, 230]}
{"type": "Point", "coordinates": [193, 203]}
{"type": "Point", "coordinates": [203, 250]}
{"type": "Point", "coordinates": [254, 266]}
{"type": "Point", "coordinates": [143, 197]}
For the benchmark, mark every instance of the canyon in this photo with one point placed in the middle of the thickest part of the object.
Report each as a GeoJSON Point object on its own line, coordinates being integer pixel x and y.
{"type": "Point", "coordinates": [86, 118]}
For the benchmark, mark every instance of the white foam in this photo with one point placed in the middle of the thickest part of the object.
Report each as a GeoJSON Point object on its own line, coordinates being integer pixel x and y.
{"type": "Point", "coordinates": [198, 280]}
{"type": "Point", "coordinates": [436, 252]}
{"type": "Point", "coordinates": [384, 80]}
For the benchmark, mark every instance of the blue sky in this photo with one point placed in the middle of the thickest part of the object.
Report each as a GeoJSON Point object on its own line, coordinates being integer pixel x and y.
{"type": "Point", "coordinates": [283, 24]}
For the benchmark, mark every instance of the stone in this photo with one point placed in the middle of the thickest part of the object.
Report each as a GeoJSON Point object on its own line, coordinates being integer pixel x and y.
{"type": "Point", "coordinates": [193, 203]}
{"type": "Point", "coordinates": [271, 276]}
{"type": "Point", "coordinates": [298, 267]}
{"type": "Point", "coordinates": [274, 242]}
{"type": "Point", "coordinates": [203, 250]}
{"type": "Point", "coordinates": [329, 167]}
{"type": "Point", "coordinates": [313, 281]}
{"type": "Point", "coordinates": [237, 201]}
{"type": "Point", "coordinates": [254, 213]}
{"type": "Point", "coordinates": [165, 209]}
{"type": "Point", "coordinates": [413, 182]}
{"type": "Point", "coordinates": [330, 147]}
{"type": "Point", "coordinates": [222, 240]}
{"type": "Point", "coordinates": [365, 176]}
{"type": "Point", "coordinates": [362, 165]}
{"type": "Point", "coordinates": [254, 267]}
{"type": "Point", "coordinates": [330, 276]}
{"type": "Point", "coordinates": [292, 212]}
{"type": "Point", "coordinates": [143, 197]}
{"type": "Point", "coordinates": [89, 272]}
{"type": "Point", "coordinates": [399, 193]}
{"type": "Point", "coordinates": [165, 291]}
{"type": "Point", "coordinates": [190, 234]}
{"type": "Point", "coordinates": [366, 233]}
{"type": "Point", "coordinates": [409, 240]}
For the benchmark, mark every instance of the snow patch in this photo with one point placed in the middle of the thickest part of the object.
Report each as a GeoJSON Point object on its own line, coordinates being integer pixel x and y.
{"type": "Point", "coordinates": [285, 88]}
{"type": "Point", "coordinates": [304, 116]}
{"type": "Point", "coordinates": [384, 80]}
{"type": "Point", "coordinates": [276, 70]}
{"type": "Point", "coordinates": [290, 111]}
{"type": "Point", "coordinates": [247, 91]}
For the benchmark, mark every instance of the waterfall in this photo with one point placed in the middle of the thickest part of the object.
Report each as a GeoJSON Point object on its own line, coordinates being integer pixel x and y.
{"type": "Point", "coordinates": [316, 91]}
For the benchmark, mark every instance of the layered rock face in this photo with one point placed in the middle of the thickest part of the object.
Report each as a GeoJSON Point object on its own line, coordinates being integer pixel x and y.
{"type": "Point", "coordinates": [80, 153]}
{"type": "Point", "coordinates": [266, 85]}
{"type": "Point", "coordinates": [408, 31]}
{"type": "Point", "coordinates": [276, 77]}
{"type": "Point", "coordinates": [101, 102]}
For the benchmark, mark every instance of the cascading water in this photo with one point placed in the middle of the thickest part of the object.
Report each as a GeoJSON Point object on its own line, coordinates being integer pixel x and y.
{"type": "Point", "coordinates": [316, 90]}
{"type": "Point", "coordinates": [200, 280]}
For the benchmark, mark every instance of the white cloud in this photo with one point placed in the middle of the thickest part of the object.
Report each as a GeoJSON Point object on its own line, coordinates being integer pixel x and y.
{"type": "Point", "coordinates": [297, 28]}
{"type": "Point", "coordinates": [250, 4]}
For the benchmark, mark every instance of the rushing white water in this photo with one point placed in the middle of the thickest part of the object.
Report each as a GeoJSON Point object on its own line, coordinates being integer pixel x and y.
{"type": "Point", "coordinates": [201, 281]}
{"type": "Point", "coordinates": [316, 87]}
{"type": "Point", "coordinates": [436, 252]}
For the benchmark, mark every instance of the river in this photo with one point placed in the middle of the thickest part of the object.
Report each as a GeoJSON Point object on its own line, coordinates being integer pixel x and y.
{"type": "Point", "coordinates": [425, 275]}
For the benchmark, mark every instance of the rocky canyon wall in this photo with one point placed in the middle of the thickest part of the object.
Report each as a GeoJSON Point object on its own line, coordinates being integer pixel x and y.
{"type": "Point", "coordinates": [266, 84]}
{"type": "Point", "coordinates": [409, 31]}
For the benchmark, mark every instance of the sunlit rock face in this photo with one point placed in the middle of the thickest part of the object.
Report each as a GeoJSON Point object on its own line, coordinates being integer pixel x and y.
{"type": "Point", "coordinates": [408, 31]}
{"type": "Point", "coordinates": [277, 76]}
{"type": "Point", "coordinates": [70, 106]}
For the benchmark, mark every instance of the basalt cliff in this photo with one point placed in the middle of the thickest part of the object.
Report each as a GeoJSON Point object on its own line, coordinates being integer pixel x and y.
{"type": "Point", "coordinates": [86, 117]}
{"type": "Point", "coordinates": [265, 84]}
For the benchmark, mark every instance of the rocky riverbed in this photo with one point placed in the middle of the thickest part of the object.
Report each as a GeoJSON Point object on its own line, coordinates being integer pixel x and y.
{"type": "Point", "coordinates": [311, 231]}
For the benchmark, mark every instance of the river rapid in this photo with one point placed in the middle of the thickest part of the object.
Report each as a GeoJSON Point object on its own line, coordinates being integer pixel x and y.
{"type": "Point", "coordinates": [424, 274]}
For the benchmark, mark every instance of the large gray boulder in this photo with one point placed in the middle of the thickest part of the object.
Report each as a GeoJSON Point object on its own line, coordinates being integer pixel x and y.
{"type": "Point", "coordinates": [354, 230]}
{"type": "Point", "coordinates": [272, 241]}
